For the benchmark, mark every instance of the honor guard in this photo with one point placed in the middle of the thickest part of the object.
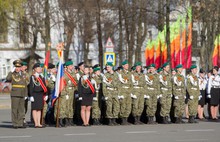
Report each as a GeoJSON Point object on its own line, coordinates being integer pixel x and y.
{"type": "Point", "coordinates": [18, 94]}
{"type": "Point", "coordinates": [166, 93]}
{"type": "Point", "coordinates": [125, 92]}
{"type": "Point", "coordinates": [179, 92]}
{"type": "Point", "coordinates": [153, 92]}
{"type": "Point", "coordinates": [137, 93]}
{"type": "Point", "coordinates": [110, 92]}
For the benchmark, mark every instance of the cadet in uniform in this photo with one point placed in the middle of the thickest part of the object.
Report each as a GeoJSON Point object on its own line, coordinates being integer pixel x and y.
{"type": "Point", "coordinates": [81, 68]}
{"type": "Point", "coordinates": [96, 81]}
{"type": "Point", "coordinates": [110, 92]}
{"type": "Point", "coordinates": [153, 91]}
{"type": "Point", "coordinates": [193, 90]}
{"type": "Point", "coordinates": [19, 87]}
{"type": "Point", "coordinates": [166, 93]}
{"type": "Point", "coordinates": [179, 92]}
{"type": "Point", "coordinates": [125, 92]}
{"type": "Point", "coordinates": [71, 85]}
{"type": "Point", "coordinates": [137, 93]}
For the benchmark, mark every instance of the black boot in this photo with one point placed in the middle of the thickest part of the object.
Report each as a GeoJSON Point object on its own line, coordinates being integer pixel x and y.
{"type": "Point", "coordinates": [96, 121]}
{"type": "Point", "coordinates": [151, 120]}
{"type": "Point", "coordinates": [192, 119]}
{"type": "Point", "coordinates": [66, 123]}
{"type": "Point", "coordinates": [114, 121]}
{"type": "Point", "coordinates": [61, 124]}
{"type": "Point", "coordinates": [136, 120]}
{"type": "Point", "coordinates": [167, 120]}
{"type": "Point", "coordinates": [178, 120]}
{"type": "Point", "coordinates": [124, 121]}
{"type": "Point", "coordinates": [71, 122]}
{"type": "Point", "coordinates": [164, 120]}
{"type": "Point", "coordinates": [110, 122]}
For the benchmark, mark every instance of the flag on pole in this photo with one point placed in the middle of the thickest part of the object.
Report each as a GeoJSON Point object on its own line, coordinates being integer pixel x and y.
{"type": "Point", "coordinates": [46, 64]}
{"type": "Point", "coordinates": [216, 52]}
{"type": "Point", "coordinates": [189, 40]}
{"type": "Point", "coordinates": [158, 52]}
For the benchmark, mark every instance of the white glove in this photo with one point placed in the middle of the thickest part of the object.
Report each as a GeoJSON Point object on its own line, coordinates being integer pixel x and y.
{"type": "Point", "coordinates": [160, 95]}
{"type": "Point", "coordinates": [176, 97]}
{"type": "Point", "coordinates": [93, 81]}
{"type": "Point", "coordinates": [106, 98]}
{"type": "Point", "coordinates": [209, 96]}
{"type": "Point", "coordinates": [136, 83]}
{"type": "Point", "coordinates": [80, 98]}
{"type": "Point", "coordinates": [84, 77]}
{"type": "Point", "coordinates": [122, 97]}
{"type": "Point", "coordinates": [184, 97]}
{"type": "Point", "coordinates": [133, 96]}
{"type": "Point", "coordinates": [45, 98]}
{"type": "Point", "coordinates": [119, 97]}
{"type": "Point", "coordinates": [200, 97]}
{"type": "Point", "coordinates": [25, 98]}
{"type": "Point", "coordinates": [95, 99]}
{"type": "Point", "coordinates": [146, 97]}
{"type": "Point", "coordinates": [13, 69]}
{"type": "Point", "coordinates": [171, 95]}
{"type": "Point", "coordinates": [53, 78]}
{"type": "Point", "coordinates": [67, 97]}
{"type": "Point", "coordinates": [31, 99]}
{"type": "Point", "coordinates": [69, 82]}
{"type": "Point", "coordinates": [37, 75]}
{"type": "Point", "coordinates": [191, 97]}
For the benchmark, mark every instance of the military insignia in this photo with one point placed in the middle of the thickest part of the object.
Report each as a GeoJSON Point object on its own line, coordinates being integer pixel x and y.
{"type": "Point", "coordinates": [151, 77]}
{"type": "Point", "coordinates": [164, 78]}
{"type": "Point", "coordinates": [179, 78]}
{"type": "Point", "coordinates": [126, 78]}
{"type": "Point", "coordinates": [136, 78]}
{"type": "Point", "coordinates": [109, 79]}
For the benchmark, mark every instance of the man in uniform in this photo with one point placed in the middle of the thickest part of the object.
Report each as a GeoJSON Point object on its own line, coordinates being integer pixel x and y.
{"type": "Point", "coordinates": [166, 93]}
{"type": "Point", "coordinates": [194, 92]}
{"type": "Point", "coordinates": [96, 80]}
{"type": "Point", "coordinates": [137, 93]}
{"type": "Point", "coordinates": [125, 92]}
{"type": "Point", "coordinates": [18, 93]}
{"type": "Point", "coordinates": [71, 85]}
{"type": "Point", "coordinates": [179, 92]}
{"type": "Point", "coordinates": [26, 76]}
{"type": "Point", "coordinates": [81, 68]}
{"type": "Point", "coordinates": [153, 92]}
{"type": "Point", "coordinates": [110, 92]}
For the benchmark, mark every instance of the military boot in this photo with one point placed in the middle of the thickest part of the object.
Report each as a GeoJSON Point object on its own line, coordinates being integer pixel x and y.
{"type": "Point", "coordinates": [136, 120]}
{"type": "Point", "coordinates": [114, 121]}
{"type": "Point", "coordinates": [192, 119]}
{"type": "Point", "coordinates": [178, 120]}
{"type": "Point", "coordinates": [167, 120]}
{"type": "Point", "coordinates": [61, 124]}
{"type": "Point", "coordinates": [164, 121]}
{"type": "Point", "coordinates": [150, 120]}
{"type": "Point", "coordinates": [96, 121]}
{"type": "Point", "coordinates": [124, 121]}
{"type": "Point", "coordinates": [110, 122]}
{"type": "Point", "coordinates": [71, 122]}
{"type": "Point", "coordinates": [66, 122]}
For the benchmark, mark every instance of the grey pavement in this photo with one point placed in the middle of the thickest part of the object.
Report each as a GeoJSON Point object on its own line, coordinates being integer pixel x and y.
{"type": "Point", "coordinates": [5, 101]}
{"type": "Point", "coordinates": [202, 132]}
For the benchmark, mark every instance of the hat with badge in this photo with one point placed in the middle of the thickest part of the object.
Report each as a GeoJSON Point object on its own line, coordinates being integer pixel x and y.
{"type": "Point", "coordinates": [159, 70]}
{"type": "Point", "coordinates": [165, 64]}
{"type": "Point", "coordinates": [124, 62]}
{"type": "Point", "coordinates": [138, 64]}
{"type": "Point", "coordinates": [41, 65]}
{"type": "Point", "coordinates": [95, 66]}
{"type": "Point", "coordinates": [80, 64]}
{"type": "Point", "coordinates": [193, 67]}
{"type": "Point", "coordinates": [96, 69]}
{"type": "Point", "coordinates": [109, 64]}
{"type": "Point", "coordinates": [179, 66]}
{"type": "Point", "coordinates": [152, 65]}
{"type": "Point", "coordinates": [17, 63]}
{"type": "Point", "coordinates": [51, 66]}
{"type": "Point", "coordinates": [68, 63]}
{"type": "Point", "coordinates": [36, 65]}
{"type": "Point", "coordinates": [24, 63]}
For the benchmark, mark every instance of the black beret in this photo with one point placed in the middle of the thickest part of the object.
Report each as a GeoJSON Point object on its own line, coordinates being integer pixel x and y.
{"type": "Point", "coordinates": [51, 66]}
{"type": "Point", "coordinates": [36, 65]}
{"type": "Point", "coordinates": [81, 63]}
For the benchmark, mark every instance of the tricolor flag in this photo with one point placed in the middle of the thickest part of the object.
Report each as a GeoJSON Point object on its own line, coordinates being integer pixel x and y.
{"type": "Point", "coordinates": [60, 83]}
{"type": "Point", "coordinates": [46, 64]}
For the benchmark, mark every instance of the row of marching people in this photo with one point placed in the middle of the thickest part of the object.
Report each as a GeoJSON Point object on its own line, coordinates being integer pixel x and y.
{"type": "Point", "coordinates": [112, 97]}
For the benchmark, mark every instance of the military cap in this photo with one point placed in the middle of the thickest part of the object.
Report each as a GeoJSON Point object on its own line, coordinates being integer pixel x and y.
{"type": "Point", "coordinates": [193, 67]}
{"type": "Point", "coordinates": [109, 64]}
{"type": "Point", "coordinates": [80, 64]}
{"type": "Point", "coordinates": [165, 64]}
{"type": "Point", "coordinates": [17, 63]}
{"type": "Point", "coordinates": [95, 66]}
{"type": "Point", "coordinates": [133, 68]}
{"type": "Point", "coordinates": [76, 68]}
{"type": "Point", "coordinates": [138, 64]}
{"type": "Point", "coordinates": [124, 62]}
{"type": "Point", "coordinates": [201, 71]}
{"type": "Point", "coordinates": [96, 69]}
{"type": "Point", "coordinates": [179, 66]}
{"type": "Point", "coordinates": [68, 63]}
{"type": "Point", "coordinates": [24, 63]}
{"type": "Point", "coordinates": [36, 65]}
{"type": "Point", "coordinates": [159, 70]}
{"type": "Point", "coordinates": [152, 65]}
{"type": "Point", "coordinates": [173, 70]}
{"type": "Point", "coordinates": [41, 65]}
{"type": "Point", "coordinates": [51, 66]}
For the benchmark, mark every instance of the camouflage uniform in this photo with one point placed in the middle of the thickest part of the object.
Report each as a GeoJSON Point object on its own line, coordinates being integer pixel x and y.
{"type": "Point", "coordinates": [125, 92]}
{"type": "Point", "coordinates": [194, 92]}
{"type": "Point", "coordinates": [110, 92]}
{"type": "Point", "coordinates": [138, 98]}
{"type": "Point", "coordinates": [153, 90]}
{"type": "Point", "coordinates": [96, 112]}
{"type": "Point", "coordinates": [179, 93]}
{"type": "Point", "coordinates": [166, 95]}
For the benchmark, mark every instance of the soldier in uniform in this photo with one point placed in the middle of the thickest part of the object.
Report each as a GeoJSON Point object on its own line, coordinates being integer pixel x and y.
{"type": "Point", "coordinates": [137, 93]}
{"type": "Point", "coordinates": [125, 92]}
{"type": "Point", "coordinates": [18, 92]}
{"type": "Point", "coordinates": [110, 92]}
{"type": "Point", "coordinates": [96, 81]}
{"type": "Point", "coordinates": [81, 68]}
{"type": "Point", "coordinates": [194, 92]}
{"type": "Point", "coordinates": [153, 92]}
{"type": "Point", "coordinates": [27, 78]}
{"type": "Point", "coordinates": [179, 92]}
{"type": "Point", "coordinates": [166, 93]}
{"type": "Point", "coordinates": [71, 85]}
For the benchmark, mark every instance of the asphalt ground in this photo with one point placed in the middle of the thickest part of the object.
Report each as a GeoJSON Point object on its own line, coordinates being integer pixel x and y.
{"type": "Point", "coordinates": [207, 131]}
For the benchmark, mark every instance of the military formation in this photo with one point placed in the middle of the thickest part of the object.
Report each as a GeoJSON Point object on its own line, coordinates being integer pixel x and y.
{"type": "Point", "coordinates": [123, 96]}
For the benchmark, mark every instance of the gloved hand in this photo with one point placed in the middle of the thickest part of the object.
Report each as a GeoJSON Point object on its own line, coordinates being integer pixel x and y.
{"type": "Point", "coordinates": [67, 97]}
{"type": "Point", "coordinates": [200, 97]}
{"type": "Point", "coordinates": [95, 99]}
{"type": "Point", "coordinates": [176, 97]}
{"type": "Point", "coordinates": [84, 77]}
{"type": "Point", "coordinates": [53, 78]}
{"type": "Point", "coordinates": [191, 97]}
{"type": "Point", "coordinates": [13, 69]}
{"type": "Point", "coordinates": [106, 98]}
{"type": "Point", "coordinates": [45, 98]}
{"type": "Point", "coordinates": [160, 95]}
{"type": "Point", "coordinates": [133, 96]}
{"type": "Point", "coordinates": [37, 75]}
{"type": "Point", "coordinates": [93, 81]}
{"type": "Point", "coordinates": [122, 97]}
{"type": "Point", "coordinates": [171, 95]}
{"type": "Point", "coordinates": [31, 99]}
{"type": "Point", "coordinates": [80, 98]}
{"type": "Point", "coordinates": [146, 97]}
{"type": "Point", "coordinates": [209, 96]}
{"type": "Point", "coordinates": [25, 98]}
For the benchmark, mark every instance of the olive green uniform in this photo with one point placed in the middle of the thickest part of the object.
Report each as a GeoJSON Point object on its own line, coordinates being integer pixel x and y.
{"type": "Point", "coordinates": [18, 92]}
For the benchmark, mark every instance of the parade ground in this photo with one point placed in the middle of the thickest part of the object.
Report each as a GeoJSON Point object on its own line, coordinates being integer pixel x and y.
{"type": "Point", "coordinates": [202, 132]}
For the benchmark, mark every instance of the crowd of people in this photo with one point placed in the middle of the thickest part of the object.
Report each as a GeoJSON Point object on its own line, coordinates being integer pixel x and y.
{"type": "Point", "coordinates": [124, 96]}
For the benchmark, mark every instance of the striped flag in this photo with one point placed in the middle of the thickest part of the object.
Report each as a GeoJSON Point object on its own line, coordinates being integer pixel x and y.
{"type": "Point", "coordinates": [189, 40]}
{"type": "Point", "coordinates": [216, 55]}
{"type": "Point", "coordinates": [46, 64]}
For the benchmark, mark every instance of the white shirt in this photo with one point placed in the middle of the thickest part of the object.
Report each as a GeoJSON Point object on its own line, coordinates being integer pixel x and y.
{"type": "Point", "coordinates": [214, 81]}
{"type": "Point", "coordinates": [202, 83]}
